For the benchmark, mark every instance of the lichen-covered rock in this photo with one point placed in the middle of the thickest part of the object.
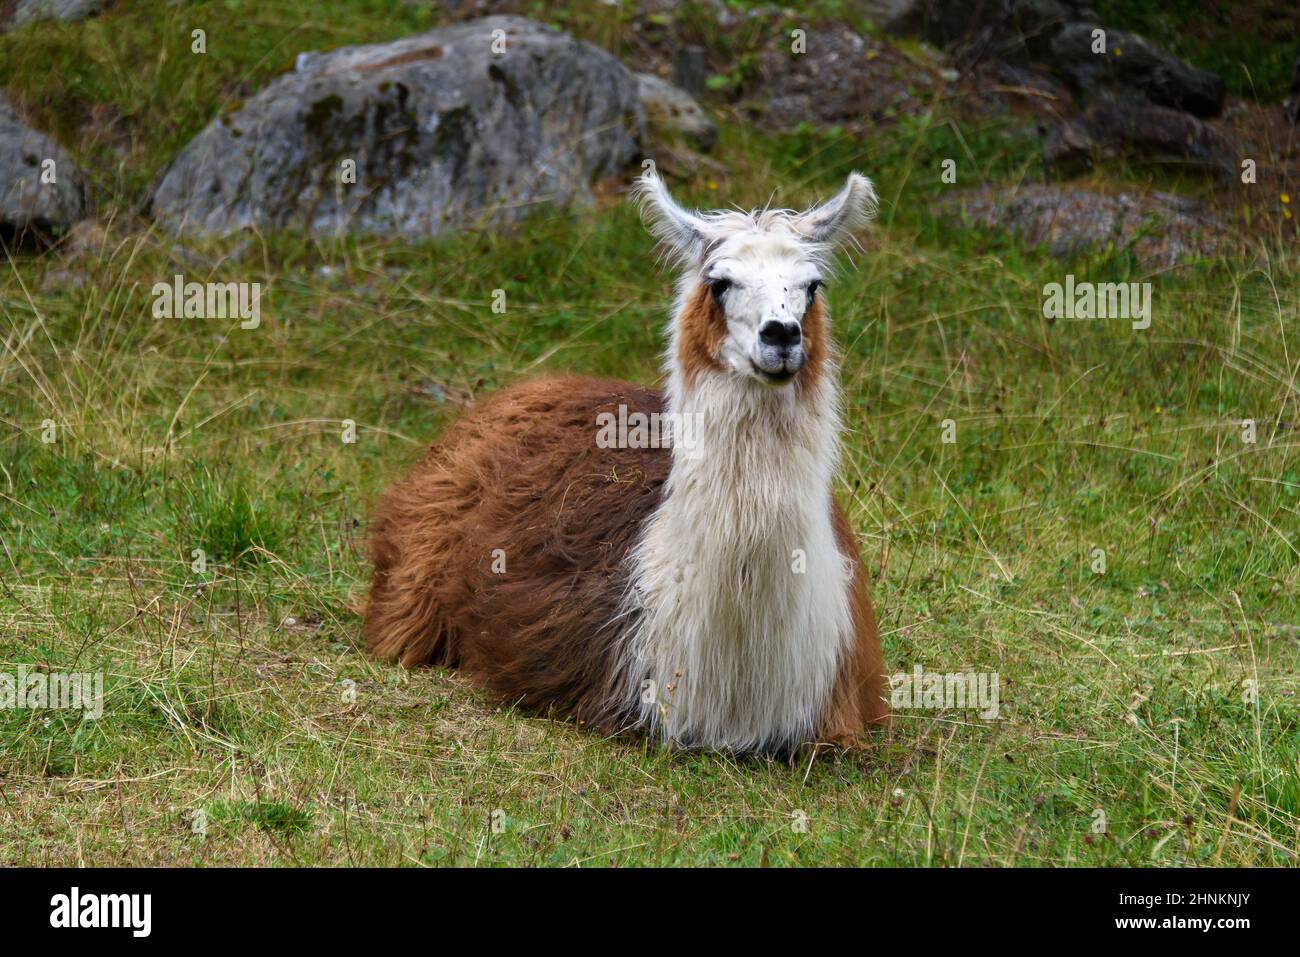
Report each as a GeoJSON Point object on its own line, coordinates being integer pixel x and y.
{"type": "Point", "coordinates": [1149, 134]}
{"type": "Point", "coordinates": [30, 11]}
{"type": "Point", "coordinates": [481, 121]}
{"type": "Point", "coordinates": [838, 77]}
{"type": "Point", "coordinates": [1160, 229]}
{"type": "Point", "coordinates": [1069, 146]}
{"type": "Point", "coordinates": [1133, 71]}
{"type": "Point", "coordinates": [1061, 36]}
{"type": "Point", "coordinates": [671, 109]}
{"type": "Point", "coordinates": [1012, 30]}
{"type": "Point", "coordinates": [41, 190]}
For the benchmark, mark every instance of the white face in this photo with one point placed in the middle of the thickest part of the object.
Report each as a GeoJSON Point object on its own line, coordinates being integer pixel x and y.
{"type": "Point", "coordinates": [764, 283]}
{"type": "Point", "coordinates": [763, 267]}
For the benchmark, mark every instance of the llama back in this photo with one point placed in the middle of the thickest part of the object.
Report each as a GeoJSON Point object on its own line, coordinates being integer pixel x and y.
{"type": "Point", "coordinates": [504, 552]}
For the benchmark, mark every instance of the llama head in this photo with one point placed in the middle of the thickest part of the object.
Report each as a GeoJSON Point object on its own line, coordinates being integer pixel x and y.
{"type": "Point", "coordinates": [751, 307]}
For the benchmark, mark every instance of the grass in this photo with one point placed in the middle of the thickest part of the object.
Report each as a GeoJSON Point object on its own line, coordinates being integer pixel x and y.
{"type": "Point", "coordinates": [243, 724]}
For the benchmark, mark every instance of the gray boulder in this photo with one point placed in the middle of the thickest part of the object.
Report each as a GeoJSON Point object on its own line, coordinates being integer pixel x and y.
{"type": "Point", "coordinates": [1069, 146]}
{"type": "Point", "coordinates": [1058, 35]}
{"type": "Point", "coordinates": [670, 109]}
{"type": "Point", "coordinates": [26, 158]}
{"type": "Point", "coordinates": [1133, 70]}
{"type": "Point", "coordinates": [842, 78]}
{"type": "Point", "coordinates": [31, 11]}
{"type": "Point", "coordinates": [477, 122]}
{"type": "Point", "coordinates": [1149, 134]}
{"type": "Point", "coordinates": [1013, 30]}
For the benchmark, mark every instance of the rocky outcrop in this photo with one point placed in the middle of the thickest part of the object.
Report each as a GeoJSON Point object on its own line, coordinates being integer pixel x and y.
{"type": "Point", "coordinates": [481, 121]}
{"type": "Point", "coordinates": [1139, 100]}
{"type": "Point", "coordinates": [41, 190]}
{"type": "Point", "coordinates": [670, 109]}
{"type": "Point", "coordinates": [1132, 71]}
{"type": "Point", "coordinates": [1060, 36]}
{"type": "Point", "coordinates": [1154, 134]}
{"type": "Point", "coordinates": [839, 78]}
{"type": "Point", "coordinates": [1160, 229]}
{"type": "Point", "coordinates": [1017, 31]}
{"type": "Point", "coordinates": [32, 11]}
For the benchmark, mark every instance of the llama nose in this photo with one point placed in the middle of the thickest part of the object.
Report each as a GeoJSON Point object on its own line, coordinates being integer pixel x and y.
{"type": "Point", "coordinates": [781, 334]}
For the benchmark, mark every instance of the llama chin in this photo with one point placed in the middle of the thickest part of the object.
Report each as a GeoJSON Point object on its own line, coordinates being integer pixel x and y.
{"type": "Point", "coordinates": [708, 593]}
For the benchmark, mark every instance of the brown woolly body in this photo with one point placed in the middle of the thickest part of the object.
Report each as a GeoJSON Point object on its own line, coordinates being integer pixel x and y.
{"type": "Point", "coordinates": [504, 553]}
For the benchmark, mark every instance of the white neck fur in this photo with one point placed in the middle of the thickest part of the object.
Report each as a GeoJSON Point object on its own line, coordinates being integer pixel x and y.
{"type": "Point", "coordinates": [740, 589]}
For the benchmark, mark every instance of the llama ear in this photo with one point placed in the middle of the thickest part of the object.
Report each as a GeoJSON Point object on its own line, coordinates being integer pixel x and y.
{"type": "Point", "coordinates": [835, 220]}
{"type": "Point", "coordinates": [680, 230]}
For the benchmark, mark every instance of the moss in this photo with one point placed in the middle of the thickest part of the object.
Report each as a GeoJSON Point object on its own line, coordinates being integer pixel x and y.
{"type": "Point", "coordinates": [321, 113]}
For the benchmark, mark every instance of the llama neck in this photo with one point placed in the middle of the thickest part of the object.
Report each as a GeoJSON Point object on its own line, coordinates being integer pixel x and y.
{"type": "Point", "coordinates": [742, 588]}
{"type": "Point", "coordinates": [754, 449]}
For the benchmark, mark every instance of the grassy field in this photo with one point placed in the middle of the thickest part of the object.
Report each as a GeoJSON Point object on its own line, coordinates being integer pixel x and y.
{"type": "Point", "coordinates": [242, 722]}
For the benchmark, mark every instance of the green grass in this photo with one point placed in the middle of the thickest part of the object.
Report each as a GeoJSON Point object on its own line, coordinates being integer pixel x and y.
{"type": "Point", "coordinates": [243, 724]}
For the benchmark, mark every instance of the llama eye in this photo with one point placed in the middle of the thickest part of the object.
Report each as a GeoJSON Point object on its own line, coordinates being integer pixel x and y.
{"type": "Point", "coordinates": [812, 291]}
{"type": "Point", "coordinates": [719, 287]}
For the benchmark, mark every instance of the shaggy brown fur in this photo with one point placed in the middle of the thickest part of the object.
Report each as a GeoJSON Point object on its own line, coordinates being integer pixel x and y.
{"type": "Point", "coordinates": [815, 346]}
{"type": "Point", "coordinates": [703, 327]}
{"type": "Point", "coordinates": [859, 697]}
{"type": "Point", "coordinates": [522, 473]}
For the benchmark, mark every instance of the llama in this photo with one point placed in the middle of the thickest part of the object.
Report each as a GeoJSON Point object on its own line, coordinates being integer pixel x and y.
{"type": "Point", "coordinates": [708, 594]}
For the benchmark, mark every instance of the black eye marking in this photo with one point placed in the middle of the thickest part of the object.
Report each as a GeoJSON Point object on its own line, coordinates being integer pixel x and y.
{"type": "Point", "coordinates": [812, 292]}
{"type": "Point", "coordinates": [719, 288]}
